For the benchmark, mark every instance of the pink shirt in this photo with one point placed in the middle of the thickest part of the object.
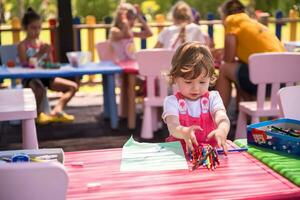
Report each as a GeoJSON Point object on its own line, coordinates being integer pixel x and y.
{"type": "Point", "coordinates": [124, 49]}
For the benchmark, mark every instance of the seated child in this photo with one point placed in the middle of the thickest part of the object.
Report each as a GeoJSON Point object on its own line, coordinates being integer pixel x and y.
{"type": "Point", "coordinates": [195, 115]}
{"type": "Point", "coordinates": [32, 49]}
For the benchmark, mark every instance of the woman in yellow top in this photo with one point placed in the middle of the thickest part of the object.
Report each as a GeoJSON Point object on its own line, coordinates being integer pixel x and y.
{"type": "Point", "coordinates": [243, 37]}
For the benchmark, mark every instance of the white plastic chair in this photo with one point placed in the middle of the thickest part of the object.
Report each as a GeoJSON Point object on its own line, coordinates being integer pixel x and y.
{"type": "Point", "coordinates": [33, 181]}
{"type": "Point", "coordinates": [19, 104]}
{"type": "Point", "coordinates": [154, 64]}
{"type": "Point", "coordinates": [289, 102]}
{"type": "Point", "coordinates": [8, 52]}
{"type": "Point", "coordinates": [267, 68]}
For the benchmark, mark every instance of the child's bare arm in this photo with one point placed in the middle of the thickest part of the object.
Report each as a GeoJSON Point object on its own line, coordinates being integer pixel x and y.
{"type": "Point", "coordinates": [22, 53]}
{"type": "Point", "coordinates": [158, 45]}
{"type": "Point", "coordinates": [222, 121]}
{"type": "Point", "coordinates": [181, 132]}
{"type": "Point", "coordinates": [124, 31]}
{"type": "Point", "coordinates": [146, 32]}
{"type": "Point", "coordinates": [223, 126]}
{"type": "Point", "coordinates": [117, 34]}
{"type": "Point", "coordinates": [45, 49]}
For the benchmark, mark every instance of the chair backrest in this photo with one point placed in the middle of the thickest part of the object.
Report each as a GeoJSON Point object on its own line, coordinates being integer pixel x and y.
{"type": "Point", "coordinates": [289, 102]}
{"type": "Point", "coordinates": [33, 181]}
{"type": "Point", "coordinates": [274, 69]}
{"type": "Point", "coordinates": [8, 52]}
{"type": "Point", "coordinates": [154, 64]}
{"type": "Point", "coordinates": [17, 104]}
{"type": "Point", "coordinates": [105, 51]}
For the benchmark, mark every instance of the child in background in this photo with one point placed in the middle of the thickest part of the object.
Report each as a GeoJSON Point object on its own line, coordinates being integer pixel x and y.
{"type": "Point", "coordinates": [243, 37]}
{"type": "Point", "coordinates": [195, 115]}
{"type": "Point", "coordinates": [121, 33]}
{"type": "Point", "coordinates": [122, 42]}
{"type": "Point", "coordinates": [32, 49]}
{"type": "Point", "coordinates": [182, 30]}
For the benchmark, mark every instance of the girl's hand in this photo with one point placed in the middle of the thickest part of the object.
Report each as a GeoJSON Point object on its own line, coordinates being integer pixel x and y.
{"type": "Point", "coordinates": [220, 137]}
{"type": "Point", "coordinates": [218, 54]}
{"type": "Point", "coordinates": [138, 9]}
{"type": "Point", "coordinates": [189, 137]}
{"type": "Point", "coordinates": [139, 13]}
{"type": "Point", "coordinates": [45, 48]}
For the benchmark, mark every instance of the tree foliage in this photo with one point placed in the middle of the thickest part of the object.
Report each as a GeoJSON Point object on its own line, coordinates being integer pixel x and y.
{"type": "Point", "coordinates": [102, 8]}
{"type": "Point", "coordinates": [46, 8]}
{"type": "Point", "coordinates": [97, 8]}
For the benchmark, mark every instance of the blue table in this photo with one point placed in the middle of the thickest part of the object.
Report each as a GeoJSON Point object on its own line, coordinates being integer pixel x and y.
{"type": "Point", "coordinates": [106, 68]}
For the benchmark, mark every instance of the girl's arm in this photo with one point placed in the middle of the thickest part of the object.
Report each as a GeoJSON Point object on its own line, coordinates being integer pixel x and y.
{"type": "Point", "coordinates": [223, 125]}
{"type": "Point", "coordinates": [230, 48]}
{"type": "Point", "coordinates": [158, 45]}
{"type": "Point", "coordinates": [208, 41]}
{"type": "Point", "coordinates": [117, 34]}
{"type": "Point", "coordinates": [45, 49]}
{"type": "Point", "coordinates": [125, 30]}
{"type": "Point", "coordinates": [181, 132]}
{"type": "Point", "coordinates": [22, 53]}
{"type": "Point", "coordinates": [146, 31]}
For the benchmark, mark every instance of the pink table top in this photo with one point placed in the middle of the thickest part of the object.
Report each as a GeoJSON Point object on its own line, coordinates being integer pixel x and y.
{"type": "Point", "coordinates": [129, 66]}
{"type": "Point", "coordinates": [240, 176]}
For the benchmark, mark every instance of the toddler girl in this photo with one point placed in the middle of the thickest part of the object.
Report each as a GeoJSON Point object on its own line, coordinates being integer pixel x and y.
{"type": "Point", "coordinates": [195, 115]}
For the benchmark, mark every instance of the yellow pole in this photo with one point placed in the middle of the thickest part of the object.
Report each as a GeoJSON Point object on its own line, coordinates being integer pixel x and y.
{"type": "Point", "coordinates": [16, 25]}
{"type": "Point", "coordinates": [293, 14]}
{"type": "Point", "coordinates": [91, 20]}
{"type": "Point", "coordinates": [160, 19]}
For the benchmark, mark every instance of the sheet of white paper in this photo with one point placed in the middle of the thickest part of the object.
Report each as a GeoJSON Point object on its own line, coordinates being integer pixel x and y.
{"type": "Point", "coordinates": [152, 156]}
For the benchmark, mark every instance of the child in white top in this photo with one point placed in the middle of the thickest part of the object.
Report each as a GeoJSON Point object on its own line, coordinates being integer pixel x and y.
{"type": "Point", "coordinates": [195, 115]}
{"type": "Point", "coordinates": [183, 29]}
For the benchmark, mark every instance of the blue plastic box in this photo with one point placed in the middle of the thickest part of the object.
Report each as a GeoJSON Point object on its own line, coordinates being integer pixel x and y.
{"type": "Point", "coordinates": [260, 135]}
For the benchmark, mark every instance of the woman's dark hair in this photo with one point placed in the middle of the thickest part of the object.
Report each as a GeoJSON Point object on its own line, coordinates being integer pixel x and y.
{"type": "Point", "coordinates": [29, 17]}
{"type": "Point", "coordinates": [231, 7]}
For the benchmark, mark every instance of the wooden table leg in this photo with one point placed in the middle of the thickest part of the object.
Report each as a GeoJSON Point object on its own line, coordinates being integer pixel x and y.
{"type": "Point", "coordinates": [123, 96]}
{"type": "Point", "coordinates": [131, 101]}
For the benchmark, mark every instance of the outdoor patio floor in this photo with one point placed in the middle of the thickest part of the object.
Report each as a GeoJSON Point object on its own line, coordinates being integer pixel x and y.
{"type": "Point", "coordinates": [89, 130]}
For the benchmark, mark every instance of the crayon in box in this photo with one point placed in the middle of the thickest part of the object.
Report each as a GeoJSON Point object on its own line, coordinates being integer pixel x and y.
{"type": "Point", "coordinates": [265, 134]}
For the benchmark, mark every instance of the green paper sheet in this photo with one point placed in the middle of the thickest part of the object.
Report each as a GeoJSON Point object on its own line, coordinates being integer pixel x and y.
{"type": "Point", "coordinates": [284, 164]}
{"type": "Point", "coordinates": [152, 156]}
